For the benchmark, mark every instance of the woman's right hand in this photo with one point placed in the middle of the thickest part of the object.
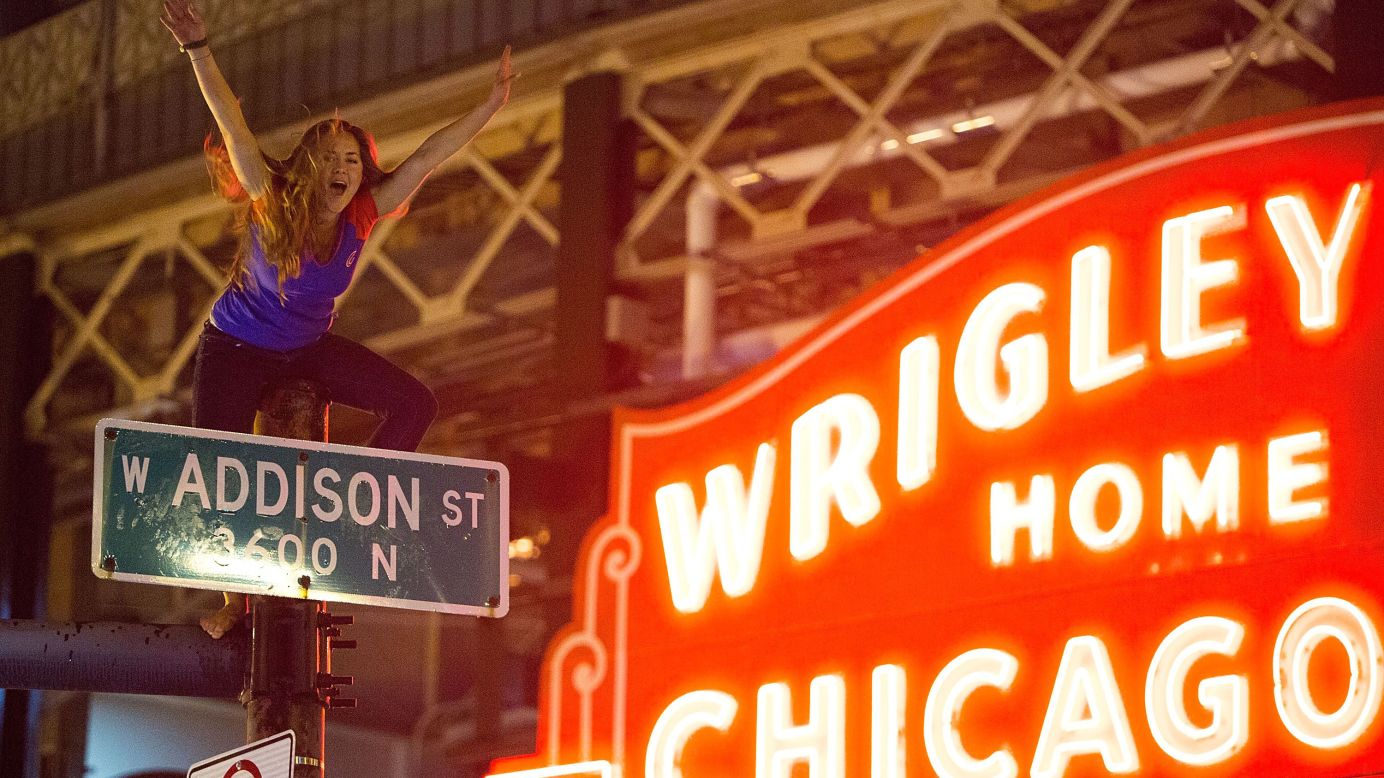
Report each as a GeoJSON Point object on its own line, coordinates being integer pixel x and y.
{"type": "Point", "coordinates": [183, 21]}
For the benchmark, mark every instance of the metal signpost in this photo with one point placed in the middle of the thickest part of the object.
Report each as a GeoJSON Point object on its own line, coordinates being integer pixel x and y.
{"type": "Point", "coordinates": [295, 518]}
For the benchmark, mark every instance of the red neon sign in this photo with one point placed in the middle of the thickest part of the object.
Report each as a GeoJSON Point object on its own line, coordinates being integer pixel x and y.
{"type": "Point", "coordinates": [1085, 491]}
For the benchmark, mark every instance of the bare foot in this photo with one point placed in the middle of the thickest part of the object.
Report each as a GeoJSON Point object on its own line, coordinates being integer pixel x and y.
{"type": "Point", "coordinates": [219, 623]}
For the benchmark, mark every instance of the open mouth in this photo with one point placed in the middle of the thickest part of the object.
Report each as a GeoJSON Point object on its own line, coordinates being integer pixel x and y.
{"type": "Point", "coordinates": [338, 188]}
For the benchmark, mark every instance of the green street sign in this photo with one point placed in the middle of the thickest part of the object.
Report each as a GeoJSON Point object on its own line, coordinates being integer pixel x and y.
{"type": "Point", "coordinates": [293, 518]}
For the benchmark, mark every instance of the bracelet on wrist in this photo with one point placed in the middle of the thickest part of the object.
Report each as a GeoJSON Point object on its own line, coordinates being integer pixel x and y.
{"type": "Point", "coordinates": [189, 46]}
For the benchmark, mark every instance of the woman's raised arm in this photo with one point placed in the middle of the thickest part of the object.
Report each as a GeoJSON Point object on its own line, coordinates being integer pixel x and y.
{"type": "Point", "coordinates": [187, 27]}
{"type": "Point", "coordinates": [400, 184]}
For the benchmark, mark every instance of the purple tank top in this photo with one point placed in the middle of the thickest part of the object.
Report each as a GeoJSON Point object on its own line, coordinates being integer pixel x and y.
{"type": "Point", "coordinates": [257, 315]}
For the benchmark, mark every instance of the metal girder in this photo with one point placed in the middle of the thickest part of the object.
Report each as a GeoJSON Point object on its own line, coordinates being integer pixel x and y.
{"type": "Point", "coordinates": [1240, 57]}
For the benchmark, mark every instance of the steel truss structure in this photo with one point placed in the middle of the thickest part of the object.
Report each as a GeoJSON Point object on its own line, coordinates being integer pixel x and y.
{"type": "Point", "coordinates": [716, 120]}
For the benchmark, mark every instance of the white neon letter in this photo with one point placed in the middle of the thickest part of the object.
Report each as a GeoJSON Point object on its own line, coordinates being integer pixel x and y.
{"type": "Point", "coordinates": [821, 742]}
{"type": "Point", "coordinates": [1092, 364]}
{"type": "Point", "coordinates": [919, 374]}
{"type": "Point", "coordinates": [1226, 696]}
{"type": "Point", "coordinates": [817, 478]}
{"type": "Point", "coordinates": [1025, 361]}
{"type": "Point", "coordinates": [1082, 506]}
{"type": "Point", "coordinates": [888, 699]}
{"type": "Point", "coordinates": [1186, 278]}
{"type": "Point", "coordinates": [1318, 267]}
{"type": "Point", "coordinates": [1008, 516]}
{"type": "Point", "coordinates": [730, 534]}
{"type": "Point", "coordinates": [1307, 627]}
{"type": "Point", "coordinates": [1085, 714]}
{"type": "Point", "coordinates": [962, 676]}
{"type": "Point", "coordinates": [702, 709]}
{"type": "Point", "coordinates": [1218, 494]}
{"type": "Point", "coordinates": [1287, 476]}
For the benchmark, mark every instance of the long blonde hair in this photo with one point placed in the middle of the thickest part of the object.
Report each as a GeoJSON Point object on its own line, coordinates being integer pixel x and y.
{"type": "Point", "coordinates": [283, 217]}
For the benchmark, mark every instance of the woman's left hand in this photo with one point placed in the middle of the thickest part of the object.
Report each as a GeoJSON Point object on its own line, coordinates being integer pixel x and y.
{"type": "Point", "coordinates": [401, 183]}
{"type": "Point", "coordinates": [504, 76]}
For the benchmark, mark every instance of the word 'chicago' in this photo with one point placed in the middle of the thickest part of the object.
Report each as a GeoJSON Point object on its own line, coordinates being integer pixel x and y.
{"type": "Point", "coordinates": [1086, 710]}
{"type": "Point", "coordinates": [1002, 384]}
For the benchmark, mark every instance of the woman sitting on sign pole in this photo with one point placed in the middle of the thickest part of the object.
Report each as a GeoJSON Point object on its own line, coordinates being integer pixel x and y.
{"type": "Point", "coordinates": [302, 231]}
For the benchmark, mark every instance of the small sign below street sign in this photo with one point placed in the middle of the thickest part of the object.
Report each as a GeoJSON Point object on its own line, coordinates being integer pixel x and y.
{"type": "Point", "coordinates": [248, 513]}
{"type": "Point", "coordinates": [271, 757]}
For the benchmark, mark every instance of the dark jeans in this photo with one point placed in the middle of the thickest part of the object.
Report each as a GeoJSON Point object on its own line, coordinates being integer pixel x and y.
{"type": "Point", "coordinates": [230, 378]}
